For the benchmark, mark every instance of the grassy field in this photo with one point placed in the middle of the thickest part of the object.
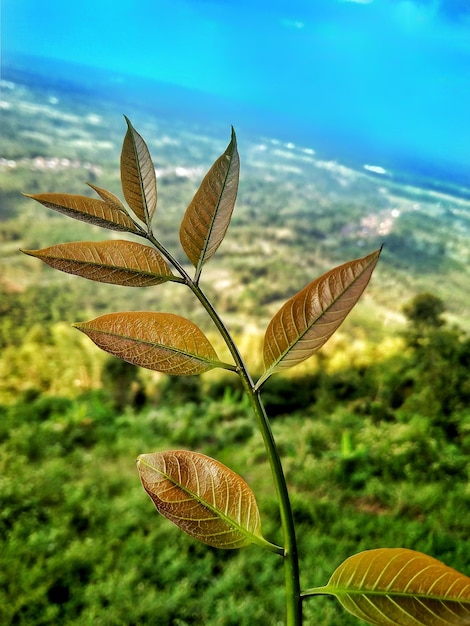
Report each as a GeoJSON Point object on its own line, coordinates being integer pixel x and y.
{"type": "Point", "coordinates": [368, 462]}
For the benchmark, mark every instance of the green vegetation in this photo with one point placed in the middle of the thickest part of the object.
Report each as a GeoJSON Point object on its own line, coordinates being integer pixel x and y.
{"type": "Point", "coordinates": [80, 545]}
{"type": "Point", "coordinates": [200, 495]}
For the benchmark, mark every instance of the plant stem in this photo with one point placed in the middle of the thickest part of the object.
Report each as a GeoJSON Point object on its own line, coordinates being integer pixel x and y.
{"type": "Point", "coordinates": [290, 555]}
{"type": "Point", "coordinates": [291, 563]}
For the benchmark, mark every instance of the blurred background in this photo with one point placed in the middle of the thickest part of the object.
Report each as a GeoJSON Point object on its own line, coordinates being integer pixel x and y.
{"type": "Point", "coordinates": [386, 80]}
{"type": "Point", "coordinates": [353, 132]}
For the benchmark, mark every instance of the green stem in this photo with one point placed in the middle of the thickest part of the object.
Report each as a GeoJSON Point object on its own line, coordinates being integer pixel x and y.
{"type": "Point", "coordinates": [291, 563]}
{"type": "Point", "coordinates": [290, 554]}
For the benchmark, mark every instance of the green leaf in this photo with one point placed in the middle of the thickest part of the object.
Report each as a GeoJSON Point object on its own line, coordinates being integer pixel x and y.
{"type": "Point", "coordinates": [309, 318]}
{"type": "Point", "coordinates": [139, 182]}
{"type": "Point", "coordinates": [208, 215]}
{"type": "Point", "coordinates": [157, 341]}
{"type": "Point", "coordinates": [203, 497]}
{"type": "Point", "coordinates": [117, 262]}
{"type": "Point", "coordinates": [394, 586]}
{"type": "Point", "coordinates": [85, 209]}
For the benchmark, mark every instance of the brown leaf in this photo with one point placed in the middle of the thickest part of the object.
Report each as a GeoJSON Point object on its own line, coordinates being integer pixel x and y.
{"type": "Point", "coordinates": [116, 262]}
{"type": "Point", "coordinates": [204, 498]}
{"type": "Point", "coordinates": [308, 319]}
{"type": "Point", "coordinates": [85, 209]}
{"type": "Point", "coordinates": [208, 215]}
{"type": "Point", "coordinates": [108, 197]}
{"type": "Point", "coordinates": [399, 587]}
{"type": "Point", "coordinates": [157, 341]}
{"type": "Point", "coordinates": [139, 182]}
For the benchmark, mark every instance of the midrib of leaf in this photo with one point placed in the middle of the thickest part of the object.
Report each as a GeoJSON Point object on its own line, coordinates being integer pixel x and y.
{"type": "Point", "coordinates": [138, 178]}
{"type": "Point", "coordinates": [140, 159]}
{"type": "Point", "coordinates": [215, 213]}
{"type": "Point", "coordinates": [142, 181]}
{"type": "Point", "coordinates": [326, 590]}
{"type": "Point", "coordinates": [254, 538]}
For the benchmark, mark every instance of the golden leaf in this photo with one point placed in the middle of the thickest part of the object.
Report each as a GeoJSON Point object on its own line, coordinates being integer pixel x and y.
{"type": "Point", "coordinates": [203, 497]}
{"type": "Point", "coordinates": [91, 210]}
{"type": "Point", "coordinates": [208, 215]}
{"type": "Point", "coordinates": [117, 262]}
{"type": "Point", "coordinates": [138, 179]}
{"type": "Point", "coordinates": [400, 587]}
{"type": "Point", "coordinates": [108, 197]}
{"type": "Point", "coordinates": [157, 341]}
{"type": "Point", "coordinates": [308, 319]}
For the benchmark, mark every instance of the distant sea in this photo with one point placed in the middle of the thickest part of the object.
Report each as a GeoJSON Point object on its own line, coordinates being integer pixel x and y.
{"type": "Point", "coordinates": [192, 107]}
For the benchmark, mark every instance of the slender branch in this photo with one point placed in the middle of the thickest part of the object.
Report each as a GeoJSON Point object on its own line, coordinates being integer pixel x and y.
{"type": "Point", "coordinates": [290, 554]}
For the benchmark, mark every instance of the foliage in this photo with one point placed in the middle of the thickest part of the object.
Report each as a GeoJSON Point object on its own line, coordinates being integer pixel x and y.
{"type": "Point", "coordinates": [200, 495]}
{"type": "Point", "coordinates": [425, 310]}
{"type": "Point", "coordinates": [80, 520]}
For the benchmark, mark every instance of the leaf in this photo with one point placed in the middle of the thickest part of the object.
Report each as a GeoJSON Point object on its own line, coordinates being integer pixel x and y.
{"type": "Point", "coordinates": [108, 197]}
{"type": "Point", "coordinates": [208, 215]}
{"type": "Point", "coordinates": [157, 341]}
{"type": "Point", "coordinates": [394, 586]}
{"type": "Point", "coordinates": [85, 209]}
{"type": "Point", "coordinates": [139, 182]}
{"type": "Point", "coordinates": [204, 498]}
{"type": "Point", "coordinates": [306, 321]}
{"type": "Point", "coordinates": [117, 262]}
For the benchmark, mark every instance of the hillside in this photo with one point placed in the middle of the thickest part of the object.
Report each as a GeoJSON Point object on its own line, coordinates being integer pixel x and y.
{"type": "Point", "coordinates": [297, 212]}
{"type": "Point", "coordinates": [374, 431]}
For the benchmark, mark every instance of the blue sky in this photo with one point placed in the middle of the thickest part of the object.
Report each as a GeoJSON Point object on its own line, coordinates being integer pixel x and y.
{"type": "Point", "coordinates": [390, 71]}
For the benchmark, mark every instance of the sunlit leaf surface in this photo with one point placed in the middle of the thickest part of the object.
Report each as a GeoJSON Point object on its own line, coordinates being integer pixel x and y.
{"type": "Point", "coordinates": [309, 318]}
{"type": "Point", "coordinates": [91, 210]}
{"type": "Point", "coordinates": [116, 262]}
{"type": "Point", "coordinates": [394, 586]}
{"type": "Point", "coordinates": [204, 498]}
{"type": "Point", "coordinates": [139, 182]}
{"type": "Point", "coordinates": [157, 341]}
{"type": "Point", "coordinates": [208, 215]}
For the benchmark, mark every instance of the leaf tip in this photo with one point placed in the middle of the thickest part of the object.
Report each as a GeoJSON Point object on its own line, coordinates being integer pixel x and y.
{"type": "Point", "coordinates": [29, 252]}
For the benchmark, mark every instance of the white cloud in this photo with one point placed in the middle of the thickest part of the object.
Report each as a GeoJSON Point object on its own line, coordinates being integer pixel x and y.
{"type": "Point", "coordinates": [292, 23]}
